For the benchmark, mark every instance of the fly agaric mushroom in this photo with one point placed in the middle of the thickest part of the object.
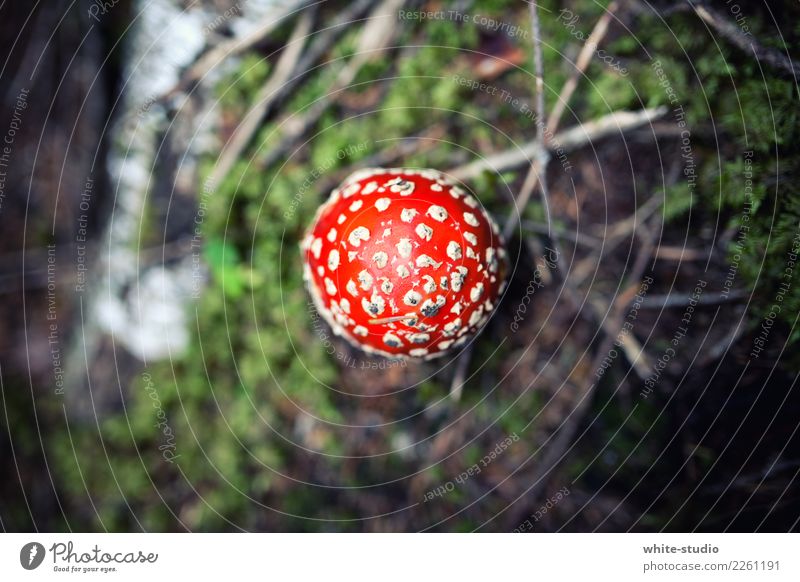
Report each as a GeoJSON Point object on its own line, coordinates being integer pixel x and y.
{"type": "Point", "coordinates": [403, 262]}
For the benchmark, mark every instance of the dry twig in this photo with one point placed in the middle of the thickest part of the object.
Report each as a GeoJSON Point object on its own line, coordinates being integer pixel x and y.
{"type": "Point", "coordinates": [376, 35]}
{"type": "Point", "coordinates": [539, 167]}
{"type": "Point", "coordinates": [614, 123]}
{"type": "Point", "coordinates": [542, 156]}
{"type": "Point", "coordinates": [252, 120]}
{"type": "Point", "coordinates": [224, 50]}
{"type": "Point", "coordinates": [745, 41]}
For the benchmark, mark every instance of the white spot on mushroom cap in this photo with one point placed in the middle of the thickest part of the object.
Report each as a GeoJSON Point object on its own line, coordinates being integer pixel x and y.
{"type": "Point", "coordinates": [430, 285]}
{"type": "Point", "coordinates": [475, 317]}
{"type": "Point", "coordinates": [333, 260]}
{"type": "Point", "coordinates": [360, 330]}
{"type": "Point", "coordinates": [386, 285]}
{"type": "Point", "coordinates": [330, 287]}
{"type": "Point", "coordinates": [359, 234]}
{"type": "Point", "coordinates": [356, 205]}
{"type": "Point", "coordinates": [381, 259]}
{"type": "Point", "coordinates": [366, 280]}
{"type": "Point", "coordinates": [412, 298]}
{"type": "Point", "coordinates": [453, 326]}
{"type": "Point", "coordinates": [419, 338]}
{"type": "Point", "coordinates": [423, 261]}
{"type": "Point", "coordinates": [470, 219]}
{"type": "Point", "coordinates": [401, 186]}
{"type": "Point", "coordinates": [408, 214]}
{"type": "Point", "coordinates": [344, 303]}
{"type": "Point", "coordinates": [382, 204]}
{"type": "Point", "coordinates": [437, 213]}
{"type": "Point", "coordinates": [404, 248]}
{"type": "Point", "coordinates": [457, 278]}
{"type": "Point", "coordinates": [320, 270]}
{"type": "Point", "coordinates": [418, 352]}
{"type": "Point", "coordinates": [341, 219]}
{"type": "Point", "coordinates": [350, 190]}
{"type": "Point", "coordinates": [331, 235]}
{"type": "Point", "coordinates": [339, 317]}
{"type": "Point", "coordinates": [454, 250]}
{"type": "Point", "coordinates": [471, 238]}
{"type": "Point", "coordinates": [351, 288]}
{"type": "Point", "coordinates": [424, 231]}
{"type": "Point", "coordinates": [392, 340]}
{"type": "Point", "coordinates": [402, 271]}
{"type": "Point", "coordinates": [429, 308]}
{"type": "Point", "coordinates": [491, 260]}
{"type": "Point", "coordinates": [316, 247]}
{"type": "Point", "coordinates": [476, 292]}
{"type": "Point", "coordinates": [375, 305]}
{"type": "Point", "coordinates": [370, 188]}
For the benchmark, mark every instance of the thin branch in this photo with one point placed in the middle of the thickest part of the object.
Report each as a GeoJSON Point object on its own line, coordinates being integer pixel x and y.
{"type": "Point", "coordinates": [680, 254]}
{"type": "Point", "coordinates": [614, 123]}
{"type": "Point", "coordinates": [538, 169]}
{"type": "Point", "coordinates": [224, 50]}
{"type": "Point", "coordinates": [577, 237]}
{"type": "Point", "coordinates": [615, 236]}
{"type": "Point", "coordinates": [581, 63]}
{"type": "Point", "coordinates": [377, 33]}
{"type": "Point", "coordinates": [289, 72]}
{"type": "Point", "coordinates": [252, 120]}
{"type": "Point", "coordinates": [680, 300]}
{"type": "Point", "coordinates": [745, 41]}
{"type": "Point", "coordinates": [543, 156]}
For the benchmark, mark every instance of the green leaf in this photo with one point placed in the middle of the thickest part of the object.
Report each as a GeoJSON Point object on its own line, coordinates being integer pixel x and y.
{"type": "Point", "coordinates": [224, 262]}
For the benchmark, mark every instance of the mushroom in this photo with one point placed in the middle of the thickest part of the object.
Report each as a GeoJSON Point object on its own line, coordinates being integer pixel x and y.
{"type": "Point", "coordinates": [403, 262]}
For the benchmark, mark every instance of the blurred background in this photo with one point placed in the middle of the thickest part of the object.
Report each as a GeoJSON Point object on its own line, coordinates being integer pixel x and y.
{"type": "Point", "coordinates": [161, 368]}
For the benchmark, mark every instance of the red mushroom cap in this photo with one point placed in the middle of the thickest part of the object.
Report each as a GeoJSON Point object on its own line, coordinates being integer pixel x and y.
{"type": "Point", "coordinates": [403, 262]}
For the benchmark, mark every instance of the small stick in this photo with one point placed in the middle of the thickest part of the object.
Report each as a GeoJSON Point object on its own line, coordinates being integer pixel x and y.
{"type": "Point", "coordinates": [537, 170]}
{"type": "Point", "coordinates": [542, 154]}
{"type": "Point", "coordinates": [224, 50]}
{"type": "Point", "coordinates": [383, 320]}
{"type": "Point", "coordinates": [746, 42]}
{"type": "Point", "coordinates": [237, 143]}
{"type": "Point", "coordinates": [614, 123]}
